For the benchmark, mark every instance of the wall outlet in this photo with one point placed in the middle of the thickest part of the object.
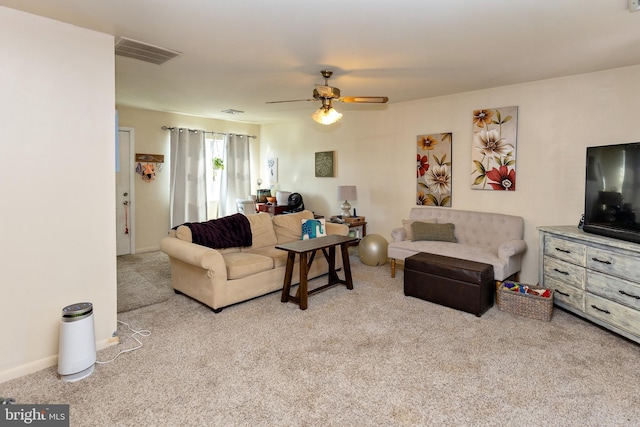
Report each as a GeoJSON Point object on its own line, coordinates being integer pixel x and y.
{"type": "Point", "coordinates": [634, 5]}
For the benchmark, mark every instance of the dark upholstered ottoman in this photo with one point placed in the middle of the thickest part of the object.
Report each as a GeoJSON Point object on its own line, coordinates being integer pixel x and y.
{"type": "Point", "coordinates": [456, 283]}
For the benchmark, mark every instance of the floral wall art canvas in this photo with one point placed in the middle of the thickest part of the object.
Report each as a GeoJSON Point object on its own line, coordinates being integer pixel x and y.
{"type": "Point", "coordinates": [494, 149]}
{"type": "Point", "coordinates": [433, 176]}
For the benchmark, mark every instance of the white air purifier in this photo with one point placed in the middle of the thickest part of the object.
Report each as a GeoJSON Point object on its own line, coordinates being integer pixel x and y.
{"type": "Point", "coordinates": [77, 347]}
{"type": "Point", "coordinates": [282, 197]}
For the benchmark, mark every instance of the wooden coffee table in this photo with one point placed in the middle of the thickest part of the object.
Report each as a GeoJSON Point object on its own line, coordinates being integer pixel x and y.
{"type": "Point", "coordinates": [311, 246]}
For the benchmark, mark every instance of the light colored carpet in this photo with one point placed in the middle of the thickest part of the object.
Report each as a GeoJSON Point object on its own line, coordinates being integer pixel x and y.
{"type": "Point", "coordinates": [143, 279]}
{"type": "Point", "coordinates": [366, 357]}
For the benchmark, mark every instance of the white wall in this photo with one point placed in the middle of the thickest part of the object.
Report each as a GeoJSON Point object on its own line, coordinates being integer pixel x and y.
{"type": "Point", "coordinates": [57, 184]}
{"type": "Point", "coordinates": [151, 203]}
{"type": "Point", "coordinates": [376, 151]}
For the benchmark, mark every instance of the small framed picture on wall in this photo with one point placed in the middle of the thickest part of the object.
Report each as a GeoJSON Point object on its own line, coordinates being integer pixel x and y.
{"type": "Point", "coordinates": [272, 167]}
{"type": "Point", "coordinates": [325, 164]}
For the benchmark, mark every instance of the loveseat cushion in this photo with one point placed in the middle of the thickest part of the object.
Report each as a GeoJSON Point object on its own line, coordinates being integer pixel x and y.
{"type": "Point", "coordinates": [288, 227]}
{"type": "Point", "coordinates": [437, 232]}
{"type": "Point", "coordinates": [262, 231]}
{"type": "Point", "coordinates": [406, 224]}
{"type": "Point", "coordinates": [243, 264]}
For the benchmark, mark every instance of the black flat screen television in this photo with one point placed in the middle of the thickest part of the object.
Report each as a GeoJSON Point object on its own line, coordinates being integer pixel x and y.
{"type": "Point", "coordinates": [612, 191]}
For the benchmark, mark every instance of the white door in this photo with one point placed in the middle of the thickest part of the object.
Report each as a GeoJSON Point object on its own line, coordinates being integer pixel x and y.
{"type": "Point", "coordinates": [124, 196]}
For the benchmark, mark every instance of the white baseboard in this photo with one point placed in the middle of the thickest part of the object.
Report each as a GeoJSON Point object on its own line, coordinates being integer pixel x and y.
{"type": "Point", "coordinates": [148, 249]}
{"type": "Point", "coordinates": [38, 365]}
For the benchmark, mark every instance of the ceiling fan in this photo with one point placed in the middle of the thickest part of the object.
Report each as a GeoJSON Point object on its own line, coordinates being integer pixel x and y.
{"type": "Point", "coordinates": [326, 114]}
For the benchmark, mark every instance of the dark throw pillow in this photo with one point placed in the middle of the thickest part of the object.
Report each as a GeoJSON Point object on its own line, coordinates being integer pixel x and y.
{"type": "Point", "coordinates": [439, 232]}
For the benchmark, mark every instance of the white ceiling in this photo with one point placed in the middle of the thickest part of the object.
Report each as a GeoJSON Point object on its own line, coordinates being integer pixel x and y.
{"type": "Point", "coordinates": [241, 53]}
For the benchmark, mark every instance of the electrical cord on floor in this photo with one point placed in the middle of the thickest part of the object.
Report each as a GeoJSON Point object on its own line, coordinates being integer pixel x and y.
{"type": "Point", "coordinates": [142, 333]}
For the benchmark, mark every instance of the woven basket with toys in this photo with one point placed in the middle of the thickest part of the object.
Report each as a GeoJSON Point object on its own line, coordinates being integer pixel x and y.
{"type": "Point", "coordinates": [525, 300]}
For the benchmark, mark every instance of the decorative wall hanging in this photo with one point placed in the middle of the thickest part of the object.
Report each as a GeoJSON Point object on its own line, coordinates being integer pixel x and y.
{"type": "Point", "coordinates": [272, 165]}
{"type": "Point", "coordinates": [433, 176]}
{"type": "Point", "coordinates": [494, 149]}
{"type": "Point", "coordinates": [147, 170]}
{"type": "Point", "coordinates": [155, 158]}
{"type": "Point", "coordinates": [324, 164]}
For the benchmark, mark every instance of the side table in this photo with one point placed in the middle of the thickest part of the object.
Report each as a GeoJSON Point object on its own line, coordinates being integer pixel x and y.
{"type": "Point", "coordinates": [272, 209]}
{"type": "Point", "coordinates": [357, 227]}
{"type": "Point", "coordinates": [358, 231]}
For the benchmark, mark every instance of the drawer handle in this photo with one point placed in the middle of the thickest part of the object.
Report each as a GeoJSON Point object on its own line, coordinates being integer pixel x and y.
{"type": "Point", "coordinates": [561, 272]}
{"type": "Point", "coordinates": [563, 250]}
{"type": "Point", "coordinates": [599, 309]}
{"type": "Point", "coordinates": [562, 293]}
{"type": "Point", "coordinates": [601, 261]}
{"type": "Point", "coordinates": [629, 295]}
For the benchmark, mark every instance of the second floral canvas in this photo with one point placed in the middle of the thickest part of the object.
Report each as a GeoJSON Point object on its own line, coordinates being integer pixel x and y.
{"type": "Point", "coordinates": [494, 149]}
{"type": "Point", "coordinates": [434, 170]}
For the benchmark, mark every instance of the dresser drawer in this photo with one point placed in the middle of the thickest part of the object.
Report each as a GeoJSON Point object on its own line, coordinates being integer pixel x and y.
{"type": "Point", "coordinates": [613, 313]}
{"type": "Point", "coordinates": [613, 288]}
{"type": "Point", "coordinates": [565, 250]}
{"type": "Point", "coordinates": [613, 263]}
{"type": "Point", "coordinates": [565, 294]}
{"type": "Point", "coordinates": [564, 272]}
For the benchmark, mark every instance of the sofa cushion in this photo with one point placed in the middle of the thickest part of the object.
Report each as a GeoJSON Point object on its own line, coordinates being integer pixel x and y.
{"type": "Point", "coordinates": [243, 264]}
{"type": "Point", "coordinates": [262, 231]}
{"type": "Point", "coordinates": [406, 224]}
{"type": "Point", "coordinates": [437, 232]}
{"type": "Point", "coordinates": [278, 255]}
{"type": "Point", "coordinates": [184, 233]}
{"type": "Point", "coordinates": [288, 227]}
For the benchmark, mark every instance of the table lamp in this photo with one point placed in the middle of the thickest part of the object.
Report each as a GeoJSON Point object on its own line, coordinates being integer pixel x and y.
{"type": "Point", "coordinates": [346, 193]}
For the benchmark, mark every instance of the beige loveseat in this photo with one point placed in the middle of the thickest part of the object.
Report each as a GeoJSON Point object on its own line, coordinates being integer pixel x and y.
{"type": "Point", "coordinates": [490, 238]}
{"type": "Point", "coordinates": [221, 277]}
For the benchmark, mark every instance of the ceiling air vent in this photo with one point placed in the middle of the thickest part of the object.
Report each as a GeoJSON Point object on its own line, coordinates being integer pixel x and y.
{"type": "Point", "coordinates": [144, 52]}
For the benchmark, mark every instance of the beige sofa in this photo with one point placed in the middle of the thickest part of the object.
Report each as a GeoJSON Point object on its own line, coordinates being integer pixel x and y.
{"type": "Point", "coordinates": [490, 238]}
{"type": "Point", "coordinates": [221, 277]}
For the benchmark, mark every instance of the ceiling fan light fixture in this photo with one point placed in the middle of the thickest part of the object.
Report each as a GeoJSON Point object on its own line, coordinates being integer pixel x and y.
{"type": "Point", "coordinates": [326, 116]}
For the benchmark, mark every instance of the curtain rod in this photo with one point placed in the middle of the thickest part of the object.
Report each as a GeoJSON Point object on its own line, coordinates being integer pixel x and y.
{"type": "Point", "coordinates": [208, 131]}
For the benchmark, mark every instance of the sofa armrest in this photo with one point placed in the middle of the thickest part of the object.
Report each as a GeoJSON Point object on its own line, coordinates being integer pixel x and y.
{"type": "Point", "coordinates": [335, 228]}
{"type": "Point", "coordinates": [193, 254]}
{"type": "Point", "coordinates": [398, 234]}
{"type": "Point", "coordinates": [510, 248]}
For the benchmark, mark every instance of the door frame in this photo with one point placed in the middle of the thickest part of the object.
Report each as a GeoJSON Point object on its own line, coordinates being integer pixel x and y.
{"type": "Point", "coordinates": [132, 173]}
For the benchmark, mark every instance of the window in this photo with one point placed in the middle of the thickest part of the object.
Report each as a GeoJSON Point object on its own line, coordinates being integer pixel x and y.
{"type": "Point", "coordinates": [214, 149]}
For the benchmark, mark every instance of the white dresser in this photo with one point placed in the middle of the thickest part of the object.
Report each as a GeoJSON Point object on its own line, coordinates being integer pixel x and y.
{"type": "Point", "coordinates": [593, 276]}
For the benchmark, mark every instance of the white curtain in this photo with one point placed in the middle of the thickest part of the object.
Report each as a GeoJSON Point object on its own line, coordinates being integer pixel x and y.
{"type": "Point", "coordinates": [236, 179]}
{"type": "Point", "coordinates": [188, 195]}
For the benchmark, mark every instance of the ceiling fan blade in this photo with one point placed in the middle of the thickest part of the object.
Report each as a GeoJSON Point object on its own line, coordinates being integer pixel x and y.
{"type": "Point", "coordinates": [290, 100]}
{"type": "Point", "coordinates": [365, 99]}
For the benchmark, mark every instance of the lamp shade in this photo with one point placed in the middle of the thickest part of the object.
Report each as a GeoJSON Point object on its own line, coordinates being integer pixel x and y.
{"type": "Point", "coordinates": [347, 192]}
